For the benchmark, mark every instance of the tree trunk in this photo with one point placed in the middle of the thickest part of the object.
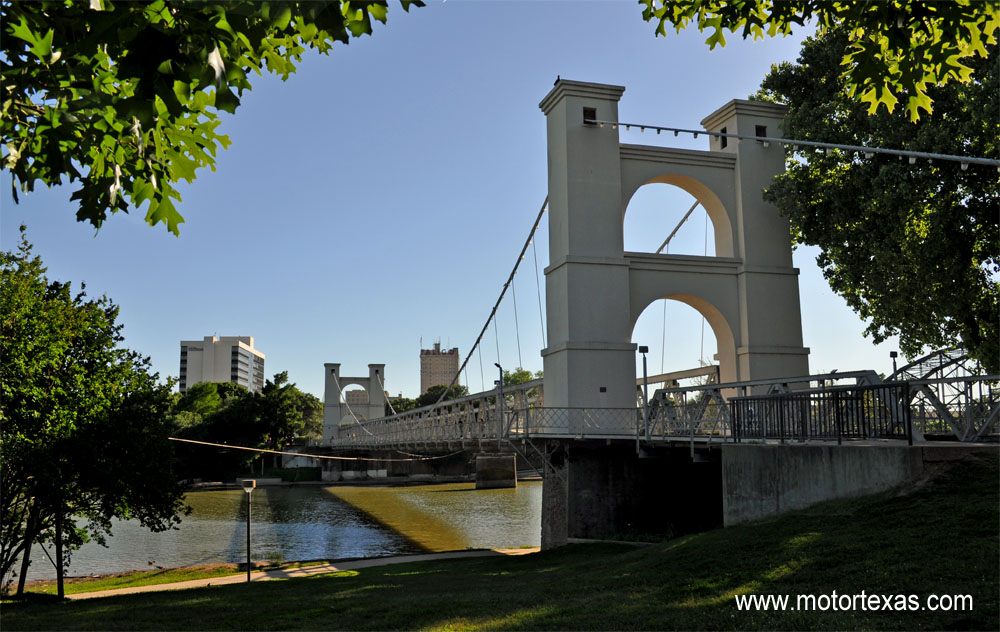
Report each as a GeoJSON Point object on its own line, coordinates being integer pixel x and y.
{"type": "Point", "coordinates": [29, 537]}
{"type": "Point", "coordinates": [59, 552]}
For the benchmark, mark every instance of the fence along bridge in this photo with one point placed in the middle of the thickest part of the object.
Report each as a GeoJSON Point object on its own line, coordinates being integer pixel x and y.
{"type": "Point", "coordinates": [941, 396]}
{"type": "Point", "coordinates": [586, 417]}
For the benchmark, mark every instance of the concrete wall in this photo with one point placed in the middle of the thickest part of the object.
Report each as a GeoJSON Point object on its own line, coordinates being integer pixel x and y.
{"type": "Point", "coordinates": [496, 471]}
{"type": "Point", "coordinates": [765, 480]}
{"type": "Point", "coordinates": [601, 491]}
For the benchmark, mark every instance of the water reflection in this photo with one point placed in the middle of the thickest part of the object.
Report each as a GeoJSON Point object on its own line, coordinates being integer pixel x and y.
{"type": "Point", "coordinates": [303, 523]}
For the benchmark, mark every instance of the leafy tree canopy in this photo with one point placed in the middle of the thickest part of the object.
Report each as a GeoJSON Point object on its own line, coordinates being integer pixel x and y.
{"type": "Point", "coordinates": [124, 97]}
{"type": "Point", "coordinates": [913, 248]}
{"type": "Point", "coordinates": [83, 428]}
{"type": "Point", "coordinates": [433, 394]}
{"type": "Point", "coordinates": [899, 49]}
{"type": "Point", "coordinates": [519, 376]}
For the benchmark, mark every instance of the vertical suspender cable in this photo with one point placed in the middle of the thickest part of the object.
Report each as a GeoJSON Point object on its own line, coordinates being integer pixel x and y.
{"type": "Point", "coordinates": [482, 378]}
{"type": "Point", "coordinates": [538, 290]}
{"type": "Point", "coordinates": [701, 354]}
{"type": "Point", "coordinates": [496, 305]}
{"type": "Point", "coordinates": [517, 327]}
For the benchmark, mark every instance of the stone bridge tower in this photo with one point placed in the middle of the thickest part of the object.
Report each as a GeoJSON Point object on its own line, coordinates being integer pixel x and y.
{"type": "Point", "coordinates": [595, 290]}
{"type": "Point", "coordinates": [335, 411]}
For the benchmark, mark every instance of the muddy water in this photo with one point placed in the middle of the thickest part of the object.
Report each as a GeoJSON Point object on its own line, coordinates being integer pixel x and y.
{"type": "Point", "coordinates": [302, 523]}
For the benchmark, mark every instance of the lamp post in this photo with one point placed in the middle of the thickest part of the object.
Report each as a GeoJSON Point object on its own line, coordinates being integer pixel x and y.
{"type": "Point", "coordinates": [893, 355]}
{"type": "Point", "coordinates": [645, 390]}
{"type": "Point", "coordinates": [500, 402]}
{"type": "Point", "coordinates": [248, 486]}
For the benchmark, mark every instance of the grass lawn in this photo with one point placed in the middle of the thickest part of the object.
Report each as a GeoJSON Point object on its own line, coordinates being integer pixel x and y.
{"type": "Point", "coordinates": [941, 538]}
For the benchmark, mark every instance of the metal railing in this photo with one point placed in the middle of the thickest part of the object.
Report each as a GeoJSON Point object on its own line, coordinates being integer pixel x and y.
{"type": "Point", "coordinates": [878, 411]}
{"type": "Point", "coordinates": [966, 406]}
{"type": "Point", "coordinates": [580, 423]}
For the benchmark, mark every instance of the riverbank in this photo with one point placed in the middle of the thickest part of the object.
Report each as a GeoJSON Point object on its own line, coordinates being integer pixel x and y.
{"type": "Point", "coordinates": [931, 541]}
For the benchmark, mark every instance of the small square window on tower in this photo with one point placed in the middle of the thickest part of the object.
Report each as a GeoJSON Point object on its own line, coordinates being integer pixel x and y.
{"type": "Point", "coordinates": [760, 130]}
{"type": "Point", "coordinates": [589, 116]}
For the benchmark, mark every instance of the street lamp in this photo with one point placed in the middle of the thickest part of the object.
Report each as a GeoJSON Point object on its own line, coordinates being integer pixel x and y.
{"type": "Point", "coordinates": [248, 485]}
{"type": "Point", "coordinates": [645, 389]}
{"type": "Point", "coordinates": [893, 355]}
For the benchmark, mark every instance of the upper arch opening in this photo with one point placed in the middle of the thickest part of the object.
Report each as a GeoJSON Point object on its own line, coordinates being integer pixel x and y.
{"type": "Point", "coordinates": [655, 208]}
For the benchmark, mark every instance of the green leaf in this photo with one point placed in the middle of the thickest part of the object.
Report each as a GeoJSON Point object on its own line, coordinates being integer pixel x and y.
{"type": "Point", "coordinates": [226, 101]}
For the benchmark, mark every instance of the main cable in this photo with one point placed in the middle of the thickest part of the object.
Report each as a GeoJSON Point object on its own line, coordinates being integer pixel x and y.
{"type": "Point", "coordinates": [311, 456]}
{"type": "Point", "coordinates": [517, 262]}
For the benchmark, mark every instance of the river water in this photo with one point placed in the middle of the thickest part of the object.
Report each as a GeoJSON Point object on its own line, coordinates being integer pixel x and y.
{"type": "Point", "coordinates": [314, 522]}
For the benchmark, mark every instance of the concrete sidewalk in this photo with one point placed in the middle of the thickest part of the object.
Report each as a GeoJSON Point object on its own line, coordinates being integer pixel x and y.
{"type": "Point", "coordinates": [291, 573]}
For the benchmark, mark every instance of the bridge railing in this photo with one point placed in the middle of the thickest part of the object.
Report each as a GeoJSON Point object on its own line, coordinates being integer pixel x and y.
{"type": "Point", "coordinates": [877, 411]}
{"type": "Point", "coordinates": [574, 422]}
{"type": "Point", "coordinates": [474, 418]}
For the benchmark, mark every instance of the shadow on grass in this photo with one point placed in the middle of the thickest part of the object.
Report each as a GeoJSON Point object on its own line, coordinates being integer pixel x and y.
{"type": "Point", "coordinates": [940, 539]}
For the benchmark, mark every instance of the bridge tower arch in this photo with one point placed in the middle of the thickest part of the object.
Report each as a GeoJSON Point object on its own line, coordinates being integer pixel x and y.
{"type": "Point", "coordinates": [595, 290]}
{"type": "Point", "coordinates": [334, 385]}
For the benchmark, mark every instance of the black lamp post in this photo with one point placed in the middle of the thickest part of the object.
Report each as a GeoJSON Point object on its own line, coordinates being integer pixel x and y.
{"type": "Point", "coordinates": [248, 486]}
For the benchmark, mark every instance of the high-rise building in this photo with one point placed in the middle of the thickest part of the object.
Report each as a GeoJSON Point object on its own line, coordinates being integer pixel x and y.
{"type": "Point", "coordinates": [226, 359]}
{"type": "Point", "coordinates": [437, 366]}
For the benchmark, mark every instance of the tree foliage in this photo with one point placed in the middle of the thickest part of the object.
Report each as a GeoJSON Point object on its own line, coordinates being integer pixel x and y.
{"type": "Point", "coordinates": [433, 394]}
{"type": "Point", "coordinates": [913, 248]}
{"type": "Point", "coordinates": [83, 429]}
{"type": "Point", "coordinates": [124, 97]}
{"type": "Point", "coordinates": [519, 376]}
{"type": "Point", "coordinates": [899, 49]}
{"type": "Point", "coordinates": [230, 414]}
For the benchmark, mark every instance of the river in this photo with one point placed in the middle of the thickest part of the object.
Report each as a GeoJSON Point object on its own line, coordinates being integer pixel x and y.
{"type": "Point", "coordinates": [315, 522]}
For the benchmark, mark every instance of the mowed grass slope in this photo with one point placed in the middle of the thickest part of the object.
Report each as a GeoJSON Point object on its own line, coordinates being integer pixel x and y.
{"type": "Point", "coordinates": [940, 538]}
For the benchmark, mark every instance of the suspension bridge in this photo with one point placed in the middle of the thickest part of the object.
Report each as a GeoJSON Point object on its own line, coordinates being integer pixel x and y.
{"type": "Point", "coordinates": [607, 445]}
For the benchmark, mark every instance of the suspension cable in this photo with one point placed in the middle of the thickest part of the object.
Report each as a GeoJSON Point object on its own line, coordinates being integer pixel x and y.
{"type": "Point", "coordinates": [387, 400]}
{"type": "Point", "coordinates": [517, 262]}
{"type": "Point", "coordinates": [868, 152]}
{"type": "Point", "coordinates": [538, 290]}
{"type": "Point", "coordinates": [517, 328]}
{"type": "Point", "coordinates": [482, 377]}
{"type": "Point", "coordinates": [350, 411]}
{"type": "Point", "coordinates": [312, 456]}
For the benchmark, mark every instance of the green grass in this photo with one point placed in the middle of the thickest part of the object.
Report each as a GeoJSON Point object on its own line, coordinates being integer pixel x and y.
{"type": "Point", "coordinates": [940, 538]}
{"type": "Point", "coordinates": [141, 578]}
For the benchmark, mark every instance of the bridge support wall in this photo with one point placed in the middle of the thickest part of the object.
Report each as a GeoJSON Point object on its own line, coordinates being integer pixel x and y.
{"type": "Point", "coordinates": [496, 471]}
{"type": "Point", "coordinates": [765, 480]}
{"type": "Point", "coordinates": [600, 491]}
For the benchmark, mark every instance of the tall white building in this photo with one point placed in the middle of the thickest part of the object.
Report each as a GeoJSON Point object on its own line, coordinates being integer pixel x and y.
{"type": "Point", "coordinates": [437, 366]}
{"type": "Point", "coordinates": [226, 359]}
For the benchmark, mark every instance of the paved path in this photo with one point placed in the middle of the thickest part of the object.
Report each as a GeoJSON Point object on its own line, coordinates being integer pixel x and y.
{"type": "Point", "coordinates": [290, 573]}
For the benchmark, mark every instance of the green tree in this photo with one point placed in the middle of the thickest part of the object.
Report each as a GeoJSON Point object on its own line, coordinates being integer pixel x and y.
{"type": "Point", "coordinates": [913, 248]}
{"type": "Point", "coordinates": [899, 49]}
{"type": "Point", "coordinates": [201, 399]}
{"type": "Point", "coordinates": [83, 424]}
{"type": "Point", "coordinates": [312, 413]}
{"type": "Point", "coordinates": [399, 405]}
{"type": "Point", "coordinates": [519, 376]}
{"type": "Point", "coordinates": [124, 97]}
{"type": "Point", "coordinates": [434, 393]}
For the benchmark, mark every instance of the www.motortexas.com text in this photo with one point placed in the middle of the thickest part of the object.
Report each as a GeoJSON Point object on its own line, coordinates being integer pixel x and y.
{"type": "Point", "coordinates": [859, 601]}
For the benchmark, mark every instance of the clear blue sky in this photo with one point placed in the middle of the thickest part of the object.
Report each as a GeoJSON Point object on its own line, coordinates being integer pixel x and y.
{"type": "Point", "coordinates": [381, 194]}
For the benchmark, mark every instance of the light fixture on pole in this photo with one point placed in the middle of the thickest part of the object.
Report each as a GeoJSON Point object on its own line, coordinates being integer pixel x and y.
{"type": "Point", "coordinates": [500, 402]}
{"type": "Point", "coordinates": [645, 389]}
{"type": "Point", "coordinates": [893, 355]}
{"type": "Point", "coordinates": [248, 486]}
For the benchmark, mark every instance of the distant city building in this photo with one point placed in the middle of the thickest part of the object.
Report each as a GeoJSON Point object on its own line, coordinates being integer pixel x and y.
{"type": "Point", "coordinates": [356, 397]}
{"type": "Point", "coordinates": [226, 359]}
{"type": "Point", "coordinates": [437, 366]}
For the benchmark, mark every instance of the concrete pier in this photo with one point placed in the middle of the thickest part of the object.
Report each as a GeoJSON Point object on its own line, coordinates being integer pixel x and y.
{"type": "Point", "coordinates": [496, 471]}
